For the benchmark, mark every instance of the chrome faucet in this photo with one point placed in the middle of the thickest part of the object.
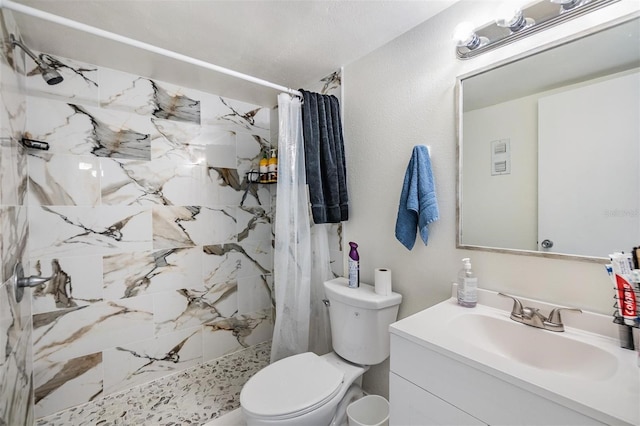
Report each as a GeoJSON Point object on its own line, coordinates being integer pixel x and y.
{"type": "Point", "coordinates": [533, 317]}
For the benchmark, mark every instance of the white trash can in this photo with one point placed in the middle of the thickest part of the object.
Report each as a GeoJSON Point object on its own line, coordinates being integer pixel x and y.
{"type": "Point", "coordinates": [371, 410]}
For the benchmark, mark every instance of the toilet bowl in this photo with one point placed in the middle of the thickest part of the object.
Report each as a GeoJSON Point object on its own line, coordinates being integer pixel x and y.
{"type": "Point", "coordinates": [307, 389]}
{"type": "Point", "coordinates": [303, 389]}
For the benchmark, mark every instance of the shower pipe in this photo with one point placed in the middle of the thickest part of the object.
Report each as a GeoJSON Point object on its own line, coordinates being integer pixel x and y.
{"type": "Point", "coordinates": [37, 13]}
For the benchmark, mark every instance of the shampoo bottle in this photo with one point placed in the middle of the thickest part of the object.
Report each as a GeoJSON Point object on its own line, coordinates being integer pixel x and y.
{"type": "Point", "coordinates": [273, 167]}
{"type": "Point", "coordinates": [354, 266]}
{"type": "Point", "coordinates": [264, 168]}
{"type": "Point", "coordinates": [467, 285]}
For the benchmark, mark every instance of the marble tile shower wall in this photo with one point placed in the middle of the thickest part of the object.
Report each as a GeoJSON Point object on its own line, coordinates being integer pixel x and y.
{"type": "Point", "coordinates": [137, 212]}
{"type": "Point", "coordinates": [16, 403]}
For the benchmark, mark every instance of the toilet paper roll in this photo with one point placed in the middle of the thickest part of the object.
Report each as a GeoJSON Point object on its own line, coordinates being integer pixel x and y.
{"type": "Point", "coordinates": [382, 281]}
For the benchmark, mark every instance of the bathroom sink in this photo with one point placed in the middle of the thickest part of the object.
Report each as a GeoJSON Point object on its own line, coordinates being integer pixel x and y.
{"type": "Point", "coordinates": [533, 346]}
{"type": "Point", "coordinates": [582, 368]}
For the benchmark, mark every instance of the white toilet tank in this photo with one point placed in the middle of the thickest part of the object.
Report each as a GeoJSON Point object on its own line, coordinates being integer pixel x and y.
{"type": "Point", "coordinates": [360, 320]}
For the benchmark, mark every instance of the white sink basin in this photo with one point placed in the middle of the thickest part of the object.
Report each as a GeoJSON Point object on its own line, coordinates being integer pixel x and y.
{"type": "Point", "coordinates": [543, 349]}
{"type": "Point", "coordinates": [582, 368]}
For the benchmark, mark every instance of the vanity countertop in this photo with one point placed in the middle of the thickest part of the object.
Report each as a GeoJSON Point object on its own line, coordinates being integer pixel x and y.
{"type": "Point", "coordinates": [582, 368]}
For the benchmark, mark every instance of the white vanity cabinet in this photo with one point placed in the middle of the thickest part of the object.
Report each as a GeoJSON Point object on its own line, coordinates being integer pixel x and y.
{"type": "Point", "coordinates": [414, 406]}
{"type": "Point", "coordinates": [458, 366]}
{"type": "Point", "coordinates": [428, 388]}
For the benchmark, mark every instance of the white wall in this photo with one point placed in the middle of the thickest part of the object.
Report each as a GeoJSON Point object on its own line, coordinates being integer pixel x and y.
{"type": "Point", "coordinates": [402, 95]}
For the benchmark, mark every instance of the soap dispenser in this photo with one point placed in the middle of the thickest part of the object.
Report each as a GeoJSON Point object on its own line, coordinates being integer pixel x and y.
{"type": "Point", "coordinates": [467, 285]}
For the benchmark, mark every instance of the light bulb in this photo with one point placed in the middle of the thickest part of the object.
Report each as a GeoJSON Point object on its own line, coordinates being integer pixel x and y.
{"type": "Point", "coordinates": [509, 15]}
{"type": "Point", "coordinates": [465, 36]}
{"type": "Point", "coordinates": [567, 4]}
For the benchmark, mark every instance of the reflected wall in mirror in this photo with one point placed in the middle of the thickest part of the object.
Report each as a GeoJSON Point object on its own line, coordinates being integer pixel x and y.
{"type": "Point", "coordinates": [549, 149]}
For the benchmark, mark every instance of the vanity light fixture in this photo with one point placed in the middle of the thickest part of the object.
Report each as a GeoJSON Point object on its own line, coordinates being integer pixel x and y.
{"type": "Point", "coordinates": [515, 23]}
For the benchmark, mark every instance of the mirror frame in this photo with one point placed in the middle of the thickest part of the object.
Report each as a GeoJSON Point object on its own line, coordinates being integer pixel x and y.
{"type": "Point", "coordinates": [458, 117]}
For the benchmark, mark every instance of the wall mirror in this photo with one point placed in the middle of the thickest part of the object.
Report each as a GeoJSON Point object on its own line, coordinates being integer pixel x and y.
{"type": "Point", "coordinates": [549, 149]}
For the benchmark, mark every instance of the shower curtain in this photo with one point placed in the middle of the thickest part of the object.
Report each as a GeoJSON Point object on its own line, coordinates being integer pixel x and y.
{"type": "Point", "coordinates": [302, 322]}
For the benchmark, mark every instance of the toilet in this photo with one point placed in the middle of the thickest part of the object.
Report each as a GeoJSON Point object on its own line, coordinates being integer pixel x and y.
{"type": "Point", "coordinates": [307, 389]}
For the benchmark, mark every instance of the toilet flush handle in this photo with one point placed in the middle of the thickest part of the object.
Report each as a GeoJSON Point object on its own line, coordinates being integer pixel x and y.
{"type": "Point", "coordinates": [326, 302]}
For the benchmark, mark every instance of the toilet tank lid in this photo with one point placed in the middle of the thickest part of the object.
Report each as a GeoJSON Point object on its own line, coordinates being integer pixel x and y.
{"type": "Point", "coordinates": [361, 297]}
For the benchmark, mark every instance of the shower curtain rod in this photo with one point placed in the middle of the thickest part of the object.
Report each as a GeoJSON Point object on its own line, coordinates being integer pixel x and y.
{"type": "Point", "coordinates": [37, 13]}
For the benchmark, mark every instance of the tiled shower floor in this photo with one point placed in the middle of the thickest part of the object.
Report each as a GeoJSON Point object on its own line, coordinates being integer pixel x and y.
{"type": "Point", "coordinates": [191, 397]}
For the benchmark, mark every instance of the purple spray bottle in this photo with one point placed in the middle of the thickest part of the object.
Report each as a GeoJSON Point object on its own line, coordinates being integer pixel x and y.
{"type": "Point", "coordinates": [354, 266]}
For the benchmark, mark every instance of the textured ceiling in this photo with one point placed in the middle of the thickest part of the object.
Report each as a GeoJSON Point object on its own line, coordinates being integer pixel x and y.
{"type": "Point", "coordinates": [291, 43]}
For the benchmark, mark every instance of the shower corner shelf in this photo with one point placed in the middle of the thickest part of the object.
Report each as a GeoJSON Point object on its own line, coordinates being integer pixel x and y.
{"type": "Point", "coordinates": [252, 178]}
{"type": "Point", "coordinates": [256, 177]}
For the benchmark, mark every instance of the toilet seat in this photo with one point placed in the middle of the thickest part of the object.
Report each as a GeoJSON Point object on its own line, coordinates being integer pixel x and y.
{"type": "Point", "coordinates": [291, 387]}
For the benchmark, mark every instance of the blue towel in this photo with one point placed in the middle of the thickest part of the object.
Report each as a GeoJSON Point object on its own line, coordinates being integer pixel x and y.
{"type": "Point", "coordinates": [418, 205]}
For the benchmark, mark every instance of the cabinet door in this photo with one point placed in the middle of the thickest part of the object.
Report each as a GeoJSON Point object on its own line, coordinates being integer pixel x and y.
{"type": "Point", "coordinates": [413, 406]}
